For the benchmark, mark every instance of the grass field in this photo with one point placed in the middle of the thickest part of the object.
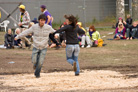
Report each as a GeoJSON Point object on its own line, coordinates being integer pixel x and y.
{"type": "Point", "coordinates": [120, 56]}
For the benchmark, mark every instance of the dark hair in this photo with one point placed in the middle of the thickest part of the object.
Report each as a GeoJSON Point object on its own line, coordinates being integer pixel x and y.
{"type": "Point", "coordinates": [120, 19]}
{"type": "Point", "coordinates": [23, 10]}
{"type": "Point", "coordinates": [92, 27]}
{"type": "Point", "coordinates": [42, 16]}
{"type": "Point", "coordinates": [61, 25]}
{"type": "Point", "coordinates": [72, 19]}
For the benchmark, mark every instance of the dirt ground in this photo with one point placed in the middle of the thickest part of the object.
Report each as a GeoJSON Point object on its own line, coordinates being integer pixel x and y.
{"type": "Point", "coordinates": [66, 81]}
{"type": "Point", "coordinates": [113, 68]}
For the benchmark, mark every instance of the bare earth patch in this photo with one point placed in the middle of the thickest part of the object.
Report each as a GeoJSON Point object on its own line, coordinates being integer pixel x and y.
{"type": "Point", "coordinates": [66, 81]}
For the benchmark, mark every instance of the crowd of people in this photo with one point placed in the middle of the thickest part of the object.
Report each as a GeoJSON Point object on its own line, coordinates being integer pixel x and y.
{"type": "Point", "coordinates": [126, 29]}
{"type": "Point", "coordinates": [88, 39]}
{"type": "Point", "coordinates": [41, 35]}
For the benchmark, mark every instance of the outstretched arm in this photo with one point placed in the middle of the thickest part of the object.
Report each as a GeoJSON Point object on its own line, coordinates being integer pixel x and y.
{"type": "Point", "coordinates": [61, 29]}
{"type": "Point", "coordinates": [80, 31]}
{"type": "Point", "coordinates": [24, 33]}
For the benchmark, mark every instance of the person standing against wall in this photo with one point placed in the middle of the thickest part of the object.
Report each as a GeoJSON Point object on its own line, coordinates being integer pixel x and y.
{"type": "Point", "coordinates": [49, 20]}
{"type": "Point", "coordinates": [24, 21]}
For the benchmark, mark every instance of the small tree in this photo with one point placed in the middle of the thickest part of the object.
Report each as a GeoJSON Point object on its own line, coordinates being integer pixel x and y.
{"type": "Point", "coordinates": [120, 9]}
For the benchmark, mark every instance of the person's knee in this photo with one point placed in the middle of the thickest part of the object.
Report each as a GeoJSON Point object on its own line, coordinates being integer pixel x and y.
{"type": "Point", "coordinates": [134, 30]}
{"type": "Point", "coordinates": [83, 36]}
{"type": "Point", "coordinates": [128, 29]}
{"type": "Point", "coordinates": [34, 59]}
{"type": "Point", "coordinates": [40, 64]}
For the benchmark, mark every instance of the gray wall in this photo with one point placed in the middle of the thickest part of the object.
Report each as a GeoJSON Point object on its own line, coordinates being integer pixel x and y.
{"type": "Point", "coordinates": [98, 9]}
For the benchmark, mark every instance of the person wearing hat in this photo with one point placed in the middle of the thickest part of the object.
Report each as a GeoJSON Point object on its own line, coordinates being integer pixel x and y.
{"type": "Point", "coordinates": [49, 18]}
{"type": "Point", "coordinates": [24, 18]}
{"type": "Point", "coordinates": [84, 37]}
{"type": "Point", "coordinates": [24, 22]}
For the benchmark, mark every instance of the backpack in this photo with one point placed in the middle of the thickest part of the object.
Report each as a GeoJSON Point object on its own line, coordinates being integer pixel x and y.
{"type": "Point", "coordinates": [100, 42]}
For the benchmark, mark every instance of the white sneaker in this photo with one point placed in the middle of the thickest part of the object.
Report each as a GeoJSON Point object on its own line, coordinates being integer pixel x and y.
{"type": "Point", "coordinates": [88, 46]}
{"type": "Point", "coordinates": [82, 46]}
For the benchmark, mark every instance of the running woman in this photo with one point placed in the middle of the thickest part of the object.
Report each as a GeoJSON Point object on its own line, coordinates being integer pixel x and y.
{"type": "Point", "coordinates": [40, 42]}
{"type": "Point", "coordinates": [72, 47]}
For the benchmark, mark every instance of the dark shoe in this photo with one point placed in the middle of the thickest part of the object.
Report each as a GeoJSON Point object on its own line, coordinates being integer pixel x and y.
{"type": "Point", "coordinates": [37, 76]}
{"type": "Point", "coordinates": [58, 47]}
{"type": "Point", "coordinates": [12, 47]}
{"type": "Point", "coordinates": [74, 66]}
{"type": "Point", "coordinates": [23, 48]}
{"type": "Point", "coordinates": [34, 67]}
{"type": "Point", "coordinates": [29, 46]}
{"type": "Point", "coordinates": [77, 74]}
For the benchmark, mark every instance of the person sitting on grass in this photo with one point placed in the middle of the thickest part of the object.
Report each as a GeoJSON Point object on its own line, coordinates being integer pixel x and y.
{"type": "Point", "coordinates": [93, 35]}
{"type": "Point", "coordinates": [129, 20]}
{"type": "Point", "coordinates": [120, 19]}
{"type": "Point", "coordinates": [51, 44]}
{"type": "Point", "coordinates": [84, 37]}
{"type": "Point", "coordinates": [120, 32]}
{"type": "Point", "coordinates": [132, 33]}
{"type": "Point", "coordinates": [9, 39]}
{"type": "Point", "coordinates": [19, 41]}
{"type": "Point", "coordinates": [59, 37]}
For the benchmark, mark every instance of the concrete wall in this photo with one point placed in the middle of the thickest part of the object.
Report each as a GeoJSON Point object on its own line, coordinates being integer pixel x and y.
{"type": "Point", "coordinates": [98, 9]}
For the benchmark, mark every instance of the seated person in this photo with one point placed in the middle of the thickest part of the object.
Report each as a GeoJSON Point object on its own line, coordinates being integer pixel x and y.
{"type": "Point", "coordinates": [17, 42]}
{"type": "Point", "coordinates": [35, 21]}
{"type": "Point", "coordinates": [129, 20]}
{"type": "Point", "coordinates": [131, 33]}
{"type": "Point", "coordinates": [83, 37]}
{"type": "Point", "coordinates": [120, 32]}
{"type": "Point", "coordinates": [93, 35]}
{"type": "Point", "coordinates": [80, 26]}
{"type": "Point", "coordinates": [128, 23]}
{"type": "Point", "coordinates": [52, 44]}
{"type": "Point", "coordinates": [60, 38]}
{"type": "Point", "coordinates": [120, 20]}
{"type": "Point", "coordinates": [9, 39]}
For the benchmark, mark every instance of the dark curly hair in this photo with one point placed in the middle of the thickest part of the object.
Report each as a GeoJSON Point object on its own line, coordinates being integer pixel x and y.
{"type": "Point", "coordinates": [42, 16]}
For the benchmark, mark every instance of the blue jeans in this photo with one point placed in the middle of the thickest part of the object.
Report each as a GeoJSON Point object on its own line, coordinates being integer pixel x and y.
{"type": "Point", "coordinates": [134, 31]}
{"type": "Point", "coordinates": [38, 57]}
{"type": "Point", "coordinates": [131, 33]}
{"type": "Point", "coordinates": [72, 52]}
